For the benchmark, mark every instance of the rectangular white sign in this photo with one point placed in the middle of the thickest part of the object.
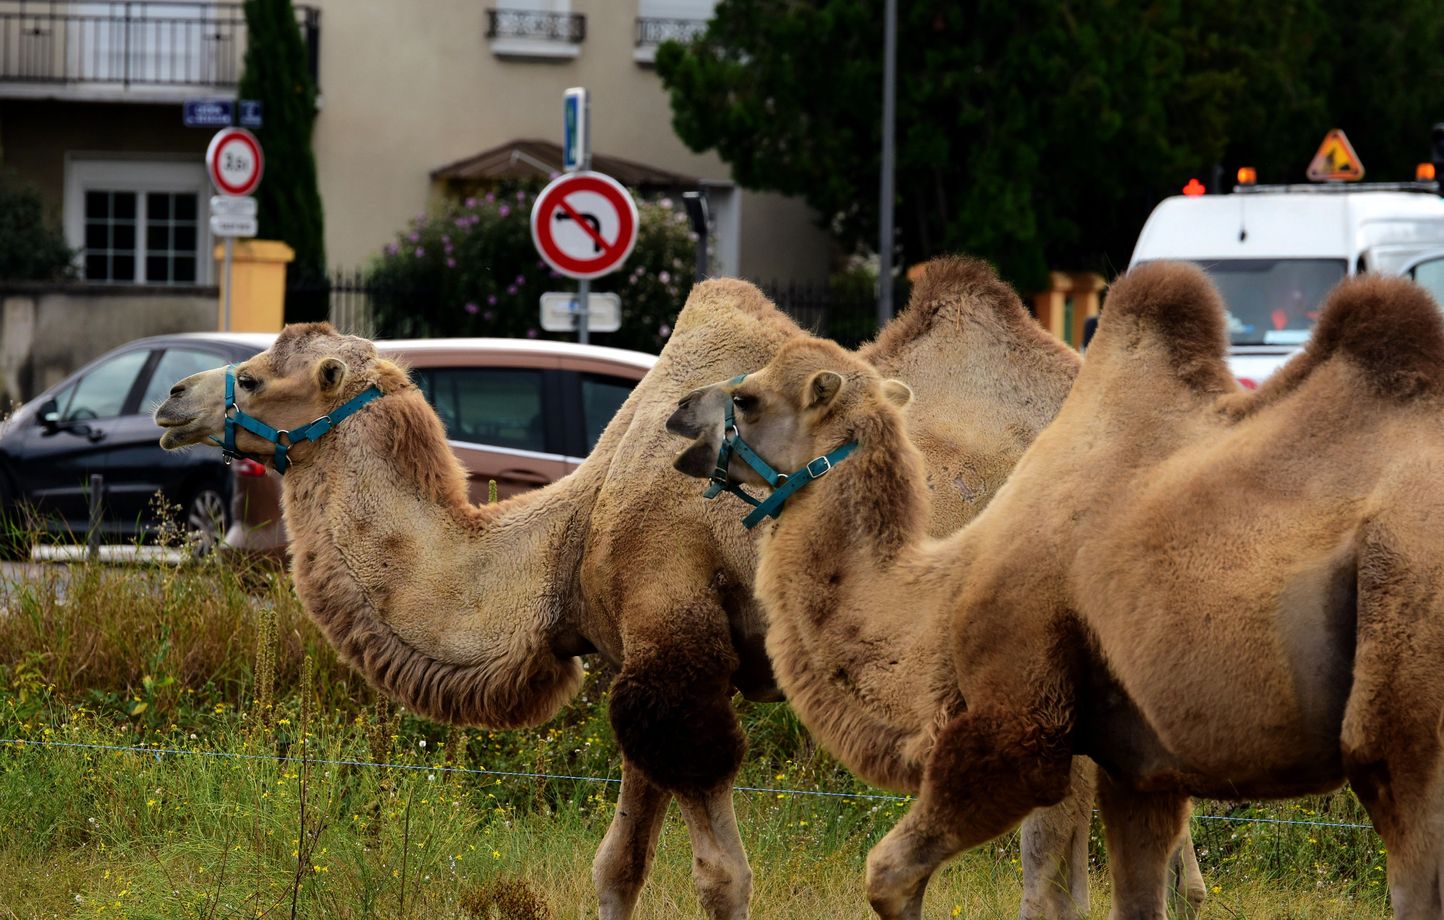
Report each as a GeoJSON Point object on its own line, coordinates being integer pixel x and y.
{"type": "Point", "coordinates": [224, 226]}
{"type": "Point", "coordinates": [233, 206]}
{"type": "Point", "coordinates": [559, 311]}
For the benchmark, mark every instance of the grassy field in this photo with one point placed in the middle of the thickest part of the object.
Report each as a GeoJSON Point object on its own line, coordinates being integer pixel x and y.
{"type": "Point", "coordinates": [251, 787]}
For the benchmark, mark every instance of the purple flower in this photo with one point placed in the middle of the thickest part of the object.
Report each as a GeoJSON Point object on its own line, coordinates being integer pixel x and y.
{"type": "Point", "coordinates": [521, 196]}
{"type": "Point", "coordinates": [520, 280]}
{"type": "Point", "coordinates": [471, 308]}
{"type": "Point", "coordinates": [413, 237]}
{"type": "Point", "coordinates": [446, 241]}
{"type": "Point", "coordinates": [663, 277]}
{"type": "Point", "coordinates": [552, 175]}
{"type": "Point", "coordinates": [490, 197]}
{"type": "Point", "coordinates": [489, 315]}
{"type": "Point", "coordinates": [450, 262]}
{"type": "Point", "coordinates": [511, 289]}
{"type": "Point", "coordinates": [420, 252]}
{"type": "Point", "coordinates": [664, 330]}
{"type": "Point", "coordinates": [555, 274]}
{"type": "Point", "coordinates": [471, 202]}
{"type": "Point", "coordinates": [392, 249]}
{"type": "Point", "coordinates": [531, 333]}
{"type": "Point", "coordinates": [491, 300]}
{"type": "Point", "coordinates": [461, 222]}
{"type": "Point", "coordinates": [540, 264]}
{"type": "Point", "coordinates": [504, 210]}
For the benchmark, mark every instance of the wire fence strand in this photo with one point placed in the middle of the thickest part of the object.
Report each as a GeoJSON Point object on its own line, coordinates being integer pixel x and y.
{"type": "Point", "coordinates": [159, 752]}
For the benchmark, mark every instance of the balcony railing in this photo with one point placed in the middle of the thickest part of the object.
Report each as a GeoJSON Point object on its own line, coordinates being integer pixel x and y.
{"type": "Point", "coordinates": [536, 26]}
{"type": "Point", "coordinates": [655, 30]}
{"type": "Point", "coordinates": [127, 42]}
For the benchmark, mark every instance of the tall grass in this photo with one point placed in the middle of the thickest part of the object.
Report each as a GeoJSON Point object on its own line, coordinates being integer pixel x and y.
{"type": "Point", "coordinates": [216, 658]}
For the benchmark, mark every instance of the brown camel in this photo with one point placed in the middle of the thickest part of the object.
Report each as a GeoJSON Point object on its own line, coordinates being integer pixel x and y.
{"type": "Point", "coordinates": [1206, 591]}
{"type": "Point", "coordinates": [473, 615]}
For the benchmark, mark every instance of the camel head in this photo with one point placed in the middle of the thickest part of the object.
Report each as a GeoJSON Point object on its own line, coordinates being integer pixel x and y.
{"type": "Point", "coordinates": [303, 376]}
{"type": "Point", "coordinates": [802, 405]}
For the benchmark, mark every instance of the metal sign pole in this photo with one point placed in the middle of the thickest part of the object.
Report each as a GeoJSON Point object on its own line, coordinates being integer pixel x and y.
{"type": "Point", "coordinates": [584, 287]}
{"type": "Point", "coordinates": [227, 272]}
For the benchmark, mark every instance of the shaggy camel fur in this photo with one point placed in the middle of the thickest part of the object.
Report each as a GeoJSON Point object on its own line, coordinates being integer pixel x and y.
{"type": "Point", "coordinates": [474, 614]}
{"type": "Point", "coordinates": [1206, 591]}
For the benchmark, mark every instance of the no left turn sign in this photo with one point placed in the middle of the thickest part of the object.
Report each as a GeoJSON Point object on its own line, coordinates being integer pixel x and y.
{"type": "Point", "coordinates": [584, 224]}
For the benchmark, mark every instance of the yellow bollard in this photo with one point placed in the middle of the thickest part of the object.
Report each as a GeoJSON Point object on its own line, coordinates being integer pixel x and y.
{"type": "Point", "coordinates": [258, 285]}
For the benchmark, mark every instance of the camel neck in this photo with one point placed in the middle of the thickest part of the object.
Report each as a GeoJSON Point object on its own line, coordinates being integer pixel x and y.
{"type": "Point", "coordinates": [463, 612]}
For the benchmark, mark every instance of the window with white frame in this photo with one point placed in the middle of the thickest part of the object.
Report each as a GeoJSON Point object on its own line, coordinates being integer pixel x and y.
{"type": "Point", "coordinates": [669, 20]}
{"type": "Point", "coordinates": [138, 221]}
{"type": "Point", "coordinates": [535, 28]}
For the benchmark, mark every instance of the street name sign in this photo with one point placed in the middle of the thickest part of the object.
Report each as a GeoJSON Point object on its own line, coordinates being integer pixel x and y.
{"type": "Point", "coordinates": [206, 113]}
{"type": "Point", "coordinates": [250, 113]}
{"type": "Point", "coordinates": [576, 129]}
{"type": "Point", "coordinates": [234, 161]}
{"type": "Point", "coordinates": [560, 309]}
{"type": "Point", "coordinates": [584, 224]}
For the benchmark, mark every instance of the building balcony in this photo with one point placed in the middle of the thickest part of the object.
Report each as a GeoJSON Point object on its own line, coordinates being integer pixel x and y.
{"type": "Point", "coordinates": [653, 30]}
{"type": "Point", "coordinates": [530, 33]}
{"type": "Point", "coordinates": [128, 50]}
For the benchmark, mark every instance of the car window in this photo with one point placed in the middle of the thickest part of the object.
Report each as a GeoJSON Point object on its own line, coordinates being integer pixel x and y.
{"type": "Point", "coordinates": [498, 406]}
{"type": "Point", "coordinates": [101, 392]}
{"type": "Point", "coordinates": [1430, 276]}
{"type": "Point", "coordinates": [601, 398]}
{"type": "Point", "coordinates": [174, 366]}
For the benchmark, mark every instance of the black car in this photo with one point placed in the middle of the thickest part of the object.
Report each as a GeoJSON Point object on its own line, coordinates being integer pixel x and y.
{"type": "Point", "coordinates": [98, 421]}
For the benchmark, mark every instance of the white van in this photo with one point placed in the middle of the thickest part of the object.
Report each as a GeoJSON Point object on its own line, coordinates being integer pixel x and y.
{"type": "Point", "coordinates": [1275, 251]}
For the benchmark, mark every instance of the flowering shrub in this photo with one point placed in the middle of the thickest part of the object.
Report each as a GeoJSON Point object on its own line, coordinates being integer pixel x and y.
{"type": "Point", "coordinates": [473, 271]}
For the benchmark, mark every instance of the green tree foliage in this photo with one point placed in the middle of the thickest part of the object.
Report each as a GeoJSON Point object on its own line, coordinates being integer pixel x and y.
{"type": "Point", "coordinates": [278, 74]}
{"type": "Point", "coordinates": [1039, 134]}
{"type": "Point", "coordinates": [474, 270]}
{"type": "Point", "coordinates": [31, 248]}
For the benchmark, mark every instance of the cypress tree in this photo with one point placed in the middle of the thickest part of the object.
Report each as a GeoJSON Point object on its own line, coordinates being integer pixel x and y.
{"type": "Point", "coordinates": [277, 73]}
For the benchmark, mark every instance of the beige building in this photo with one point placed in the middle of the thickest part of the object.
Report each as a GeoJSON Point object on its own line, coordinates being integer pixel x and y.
{"type": "Point", "coordinates": [90, 111]}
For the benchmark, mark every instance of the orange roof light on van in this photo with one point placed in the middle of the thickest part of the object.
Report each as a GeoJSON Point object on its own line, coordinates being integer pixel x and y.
{"type": "Point", "coordinates": [1194, 188]}
{"type": "Point", "coordinates": [1247, 175]}
{"type": "Point", "coordinates": [1424, 172]}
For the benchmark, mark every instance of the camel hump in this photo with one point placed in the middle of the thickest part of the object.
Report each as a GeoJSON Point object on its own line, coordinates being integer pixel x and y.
{"type": "Point", "coordinates": [1390, 328]}
{"type": "Point", "coordinates": [954, 290]}
{"type": "Point", "coordinates": [730, 295]}
{"type": "Point", "coordinates": [1176, 304]}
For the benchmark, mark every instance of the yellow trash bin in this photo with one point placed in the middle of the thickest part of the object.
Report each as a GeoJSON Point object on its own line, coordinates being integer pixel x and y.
{"type": "Point", "coordinates": [258, 285]}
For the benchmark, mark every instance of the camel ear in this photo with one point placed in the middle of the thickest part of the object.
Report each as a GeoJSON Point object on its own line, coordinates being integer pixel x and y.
{"type": "Point", "coordinates": [897, 392]}
{"type": "Point", "coordinates": [822, 388]}
{"type": "Point", "coordinates": [330, 374]}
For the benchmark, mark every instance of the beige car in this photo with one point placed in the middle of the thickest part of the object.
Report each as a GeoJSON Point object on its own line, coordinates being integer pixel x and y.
{"type": "Point", "coordinates": [518, 411]}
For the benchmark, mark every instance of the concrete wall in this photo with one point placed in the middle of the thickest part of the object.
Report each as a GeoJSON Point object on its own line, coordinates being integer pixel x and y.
{"type": "Point", "coordinates": [49, 331]}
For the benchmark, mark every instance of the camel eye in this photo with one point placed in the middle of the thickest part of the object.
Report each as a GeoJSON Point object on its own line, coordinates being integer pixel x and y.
{"type": "Point", "coordinates": [744, 402]}
{"type": "Point", "coordinates": [247, 383]}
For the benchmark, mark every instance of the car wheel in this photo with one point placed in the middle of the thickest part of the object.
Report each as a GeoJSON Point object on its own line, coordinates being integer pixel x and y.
{"type": "Point", "coordinates": [208, 516]}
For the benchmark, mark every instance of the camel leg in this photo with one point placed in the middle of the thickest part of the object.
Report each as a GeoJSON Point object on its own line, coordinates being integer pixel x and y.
{"type": "Point", "coordinates": [1185, 880]}
{"type": "Point", "coordinates": [987, 770]}
{"type": "Point", "coordinates": [625, 856]}
{"type": "Point", "coordinates": [1391, 745]}
{"type": "Point", "coordinates": [672, 712]}
{"type": "Point", "coordinates": [1143, 830]}
{"type": "Point", "coordinates": [719, 864]}
{"type": "Point", "coordinates": [1055, 852]}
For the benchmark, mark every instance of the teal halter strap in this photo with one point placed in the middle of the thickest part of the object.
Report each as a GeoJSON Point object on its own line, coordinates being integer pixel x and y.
{"type": "Point", "coordinates": [783, 484]}
{"type": "Point", "coordinates": [283, 439]}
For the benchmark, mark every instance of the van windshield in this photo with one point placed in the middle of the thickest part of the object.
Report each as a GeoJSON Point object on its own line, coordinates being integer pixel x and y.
{"type": "Point", "coordinates": [1273, 301]}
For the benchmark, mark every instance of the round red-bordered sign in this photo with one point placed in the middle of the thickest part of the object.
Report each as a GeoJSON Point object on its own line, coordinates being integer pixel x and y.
{"type": "Point", "coordinates": [234, 161]}
{"type": "Point", "coordinates": [584, 224]}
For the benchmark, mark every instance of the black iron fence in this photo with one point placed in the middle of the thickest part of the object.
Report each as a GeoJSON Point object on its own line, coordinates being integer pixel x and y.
{"type": "Point", "coordinates": [652, 30]}
{"type": "Point", "coordinates": [555, 27]}
{"type": "Point", "coordinates": [127, 42]}
{"type": "Point", "coordinates": [346, 299]}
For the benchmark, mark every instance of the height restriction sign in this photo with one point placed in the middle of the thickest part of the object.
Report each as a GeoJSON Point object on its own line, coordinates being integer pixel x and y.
{"type": "Point", "coordinates": [584, 224]}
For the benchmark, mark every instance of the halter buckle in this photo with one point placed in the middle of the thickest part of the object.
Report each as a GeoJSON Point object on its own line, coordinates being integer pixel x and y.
{"type": "Point", "coordinates": [826, 467]}
{"type": "Point", "coordinates": [283, 438]}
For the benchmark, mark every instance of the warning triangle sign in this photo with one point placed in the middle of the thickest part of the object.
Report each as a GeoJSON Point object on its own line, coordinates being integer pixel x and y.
{"type": "Point", "coordinates": [1336, 160]}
